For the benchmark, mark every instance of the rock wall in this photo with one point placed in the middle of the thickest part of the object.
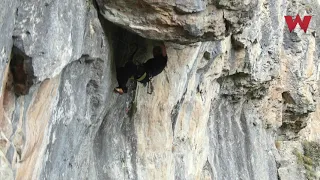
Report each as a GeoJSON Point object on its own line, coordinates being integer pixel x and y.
{"type": "Point", "coordinates": [237, 100]}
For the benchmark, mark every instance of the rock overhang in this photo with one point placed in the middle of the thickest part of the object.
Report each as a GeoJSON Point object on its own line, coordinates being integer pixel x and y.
{"type": "Point", "coordinates": [188, 22]}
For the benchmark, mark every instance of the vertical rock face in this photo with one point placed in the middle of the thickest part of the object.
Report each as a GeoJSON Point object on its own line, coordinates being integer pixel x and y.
{"type": "Point", "coordinates": [241, 104]}
{"type": "Point", "coordinates": [7, 25]}
{"type": "Point", "coordinates": [51, 32]}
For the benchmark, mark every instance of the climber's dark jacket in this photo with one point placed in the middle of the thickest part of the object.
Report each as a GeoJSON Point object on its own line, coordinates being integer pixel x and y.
{"type": "Point", "coordinates": [152, 68]}
{"type": "Point", "coordinates": [143, 72]}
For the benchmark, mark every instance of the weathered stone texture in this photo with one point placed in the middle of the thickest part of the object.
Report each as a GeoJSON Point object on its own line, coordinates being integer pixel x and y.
{"type": "Point", "coordinates": [7, 19]}
{"type": "Point", "coordinates": [51, 32]}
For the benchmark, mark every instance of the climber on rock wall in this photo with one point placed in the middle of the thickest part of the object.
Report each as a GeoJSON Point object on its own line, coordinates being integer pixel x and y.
{"type": "Point", "coordinates": [142, 73]}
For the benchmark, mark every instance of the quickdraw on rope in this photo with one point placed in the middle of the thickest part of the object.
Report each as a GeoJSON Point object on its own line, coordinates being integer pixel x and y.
{"type": "Point", "coordinates": [150, 86]}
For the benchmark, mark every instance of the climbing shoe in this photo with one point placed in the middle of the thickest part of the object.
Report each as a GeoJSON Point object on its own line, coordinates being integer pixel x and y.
{"type": "Point", "coordinates": [120, 90]}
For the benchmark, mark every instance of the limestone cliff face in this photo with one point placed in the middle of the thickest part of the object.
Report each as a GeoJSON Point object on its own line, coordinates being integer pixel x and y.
{"type": "Point", "coordinates": [238, 99]}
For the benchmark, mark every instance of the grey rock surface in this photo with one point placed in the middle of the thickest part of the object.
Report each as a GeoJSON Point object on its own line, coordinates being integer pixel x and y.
{"type": "Point", "coordinates": [239, 146]}
{"type": "Point", "coordinates": [181, 21]}
{"type": "Point", "coordinates": [191, 6]}
{"type": "Point", "coordinates": [51, 32]}
{"type": "Point", "coordinates": [7, 19]}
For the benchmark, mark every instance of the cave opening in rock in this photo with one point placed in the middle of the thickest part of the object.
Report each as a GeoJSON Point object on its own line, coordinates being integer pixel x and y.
{"type": "Point", "coordinates": [126, 45]}
{"type": "Point", "coordinates": [124, 42]}
{"type": "Point", "coordinates": [21, 72]}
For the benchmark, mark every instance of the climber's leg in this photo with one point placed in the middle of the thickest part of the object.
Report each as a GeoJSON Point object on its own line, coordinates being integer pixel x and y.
{"type": "Point", "coordinates": [123, 74]}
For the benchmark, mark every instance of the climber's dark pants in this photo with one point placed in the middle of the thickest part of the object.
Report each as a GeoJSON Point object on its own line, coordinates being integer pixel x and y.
{"type": "Point", "coordinates": [124, 73]}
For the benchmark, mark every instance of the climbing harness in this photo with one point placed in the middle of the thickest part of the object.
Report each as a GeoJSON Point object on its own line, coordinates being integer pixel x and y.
{"type": "Point", "coordinates": [141, 78]}
{"type": "Point", "coordinates": [141, 73]}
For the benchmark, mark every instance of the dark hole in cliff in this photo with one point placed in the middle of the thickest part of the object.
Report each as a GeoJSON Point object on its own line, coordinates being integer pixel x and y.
{"type": "Point", "coordinates": [286, 96]}
{"type": "Point", "coordinates": [291, 126]}
{"type": "Point", "coordinates": [236, 44]}
{"type": "Point", "coordinates": [128, 46]}
{"type": "Point", "coordinates": [21, 71]}
{"type": "Point", "coordinates": [124, 42]}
